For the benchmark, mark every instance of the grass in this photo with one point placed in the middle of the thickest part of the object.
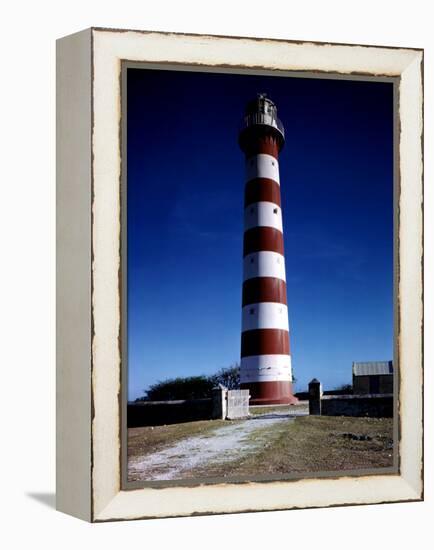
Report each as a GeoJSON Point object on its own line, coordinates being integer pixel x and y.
{"type": "Point", "coordinates": [307, 444]}
{"type": "Point", "coordinates": [255, 410]}
{"type": "Point", "coordinates": [316, 444]}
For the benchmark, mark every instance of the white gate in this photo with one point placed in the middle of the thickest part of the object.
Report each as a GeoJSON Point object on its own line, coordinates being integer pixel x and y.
{"type": "Point", "coordinates": [238, 404]}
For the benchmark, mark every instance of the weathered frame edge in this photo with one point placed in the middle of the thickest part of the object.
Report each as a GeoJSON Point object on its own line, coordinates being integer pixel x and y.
{"type": "Point", "coordinates": [73, 274]}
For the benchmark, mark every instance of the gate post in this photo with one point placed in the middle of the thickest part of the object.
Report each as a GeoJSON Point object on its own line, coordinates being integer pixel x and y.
{"type": "Point", "coordinates": [219, 402]}
{"type": "Point", "coordinates": [315, 394]}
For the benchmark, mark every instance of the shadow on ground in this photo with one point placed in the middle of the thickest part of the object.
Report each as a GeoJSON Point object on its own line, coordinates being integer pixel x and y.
{"type": "Point", "coordinates": [47, 499]}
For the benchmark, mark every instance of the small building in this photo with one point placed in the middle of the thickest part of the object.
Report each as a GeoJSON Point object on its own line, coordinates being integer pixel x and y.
{"type": "Point", "coordinates": [372, 377]}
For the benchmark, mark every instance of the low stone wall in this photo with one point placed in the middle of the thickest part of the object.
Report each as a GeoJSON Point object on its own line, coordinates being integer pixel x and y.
{"type": "Point", "coordinates": [338, 392]}
{"type": "Point", "coordinates": [223, 404]}
{"type": "Point", "coordinates": [304, 395]}
{"type": "Point", "coordinates": [372, 405]}
{"type": "Point", "coordinates": [157, 413]}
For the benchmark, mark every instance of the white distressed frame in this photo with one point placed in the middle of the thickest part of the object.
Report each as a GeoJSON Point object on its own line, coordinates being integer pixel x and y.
{"type": "Point", "coordinates": [89, 298]}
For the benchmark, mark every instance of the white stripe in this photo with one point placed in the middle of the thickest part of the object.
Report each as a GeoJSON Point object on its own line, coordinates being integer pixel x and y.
{"type": "Point", "coordinates": [263, 214]}
{"type": "Point", "coordinates": [262, 166]}
{"type": "Point", "coordinates": [245, 379]}
{"type": "Point", "coordinates": [264, 264]}
{"type": "Point", "coordinates": [266, 368]}
{"type": "Point", "coordinates": [265, 315]}
{"type": "Point", "coordinates": [264, 362]}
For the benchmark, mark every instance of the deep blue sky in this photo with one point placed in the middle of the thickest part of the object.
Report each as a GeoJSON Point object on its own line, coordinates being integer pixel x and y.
{"type": "Point", "coordinates": [185, 222]}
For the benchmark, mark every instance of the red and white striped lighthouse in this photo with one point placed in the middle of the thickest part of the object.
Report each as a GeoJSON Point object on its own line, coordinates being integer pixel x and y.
{"type": "Point", "coordinates": [265, 354]}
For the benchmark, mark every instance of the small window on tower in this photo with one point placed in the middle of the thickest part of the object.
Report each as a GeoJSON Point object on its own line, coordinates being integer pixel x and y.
{"type": "Point", "coordinates": [252, 311]}
{"type": "Point", "coordinates": [252, 210]}
{"type": "Point", "coordinates": [275, 210]}
{"type": "Point", "coordinates": [252, 260]}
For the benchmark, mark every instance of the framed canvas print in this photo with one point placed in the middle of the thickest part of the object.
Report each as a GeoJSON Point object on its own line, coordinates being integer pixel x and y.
{"type": "Point", "coordinates": [239, 274]}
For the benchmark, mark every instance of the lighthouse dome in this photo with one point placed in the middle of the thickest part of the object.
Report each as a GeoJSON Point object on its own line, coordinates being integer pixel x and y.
{"type": "Point", "coordinates": [261, 117]}
{"type": "Point", "coordinates": [263, 105]}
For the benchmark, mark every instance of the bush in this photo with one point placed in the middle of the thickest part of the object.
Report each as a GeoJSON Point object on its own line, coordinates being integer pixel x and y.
{"type": "Point", "coordinates": [228, 377]}
{"type": "Point", "coordinates": [345, 387]}
{"type": "Point", "coordinates": [191, 387]}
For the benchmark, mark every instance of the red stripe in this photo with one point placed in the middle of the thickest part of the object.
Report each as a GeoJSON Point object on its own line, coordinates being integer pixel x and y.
{"type": "Point", "coordinates": [264, 289]}
{"type": "Point", "coordinates": [265, 145]}
{"type": "Point", "coordinates": [263, 238]}
{"type": "Point", "coordinates": [262, 189]}
{"type": "Point", "coordinates": [270, 392]}
{"type": "Point", "coordinates": [265, 341]}
{"type": "Point", "coordinates": [261, 139]}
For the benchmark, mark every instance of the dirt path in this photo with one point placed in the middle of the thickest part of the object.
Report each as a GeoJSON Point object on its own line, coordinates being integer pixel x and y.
{"type": "Point", "coordinates": [222, 445]}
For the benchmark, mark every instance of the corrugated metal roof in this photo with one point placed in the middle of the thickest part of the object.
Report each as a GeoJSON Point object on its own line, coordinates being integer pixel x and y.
{"type": "Point", "coordinates": [372, 367]}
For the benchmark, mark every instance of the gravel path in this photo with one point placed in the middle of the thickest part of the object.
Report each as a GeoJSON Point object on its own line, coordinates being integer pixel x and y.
{"type": "Point", "coordinates": [222, 445]}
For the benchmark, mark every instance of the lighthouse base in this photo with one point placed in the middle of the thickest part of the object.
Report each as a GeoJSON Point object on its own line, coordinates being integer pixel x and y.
{"type": "Point", "coordinates": [270, 393]}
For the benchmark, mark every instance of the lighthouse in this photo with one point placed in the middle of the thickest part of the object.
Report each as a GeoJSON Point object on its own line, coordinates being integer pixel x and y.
{"type": "Point", "coordinates": [265, 353]}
